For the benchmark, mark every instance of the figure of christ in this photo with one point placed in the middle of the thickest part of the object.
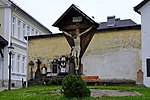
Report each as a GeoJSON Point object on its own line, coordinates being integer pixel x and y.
{"type": "Point", "coordinates": [77, 48]}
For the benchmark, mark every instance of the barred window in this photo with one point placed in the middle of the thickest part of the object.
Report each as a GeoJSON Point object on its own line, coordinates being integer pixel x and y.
{"type": "Point", "coordinates": [19, 29]}
{"type": "Point", "coordinates": [23, 64]}
{"type": "Point", "coordinates": [148, 67]}
{"type": "Point", "coordinates": [13, 62]}
{"type": "Point", "coordinates": [28, 30]}
{"type": "Point", "coordinates": [18, 63]}
{"type": "Point", "coordinates": [13, 26]}
{"type": "Point", "coordinates": [32, 32]}
{"type": "Point", "coordinates": [24, 31]}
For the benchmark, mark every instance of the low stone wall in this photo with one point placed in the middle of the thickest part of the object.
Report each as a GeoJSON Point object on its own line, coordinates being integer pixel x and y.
{"type": "Point", "coordinates": [14, 83]}
{"type": "Point", "coordinates": [118, 82]}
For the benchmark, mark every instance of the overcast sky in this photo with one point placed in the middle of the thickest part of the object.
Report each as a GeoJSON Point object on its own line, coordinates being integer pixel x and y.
{"type": "Point", "coordinates": [48, 11]}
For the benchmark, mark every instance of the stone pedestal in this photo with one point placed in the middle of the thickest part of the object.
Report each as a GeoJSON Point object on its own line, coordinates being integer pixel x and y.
{"type": "Point", "coordinates": [71, 65]}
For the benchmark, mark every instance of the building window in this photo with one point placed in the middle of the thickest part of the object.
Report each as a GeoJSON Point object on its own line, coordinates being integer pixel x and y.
{"type": "Point", "coordinates": [148, 67]}
{"type": "Point", "coordinates": [28, 30]}
{"type": "Point", "coordinates": [24, 31]}
{"type": "Point", "coordinates": [23, 64]}
{"type": "Point", "coordinates": [13, 26]}
{"type": "Point", "coordinates": [19, 28]}
{"type": "Point", "coordinates": [18, 63]}
{"type": "Point", "coordinates": [13, 62]}
{"type": "Point", "coordinates": [36, 33]}
{"type": "Point", "coordinates": [32, 32]}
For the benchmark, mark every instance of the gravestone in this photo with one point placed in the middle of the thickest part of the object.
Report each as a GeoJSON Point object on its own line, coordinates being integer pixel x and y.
{"type": "Point", "coordinates": [44, 69]}
{"type": "Point", "coordinates": [55, 66]}
{"type": "Point", "coordinates": [38, 76]}
{"type": "Point", "coordinates": [31, 63]}
{"type": "Point", "coordinates": [62, 66]}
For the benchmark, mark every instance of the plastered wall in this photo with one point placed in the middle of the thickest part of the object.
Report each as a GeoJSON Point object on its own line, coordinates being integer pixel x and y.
{"type": "Point", "coordinates": [114, 54]}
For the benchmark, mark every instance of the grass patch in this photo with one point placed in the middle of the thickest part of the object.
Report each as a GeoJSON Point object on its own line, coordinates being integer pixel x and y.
{"type": "Point", "coordinates": [45, 93]}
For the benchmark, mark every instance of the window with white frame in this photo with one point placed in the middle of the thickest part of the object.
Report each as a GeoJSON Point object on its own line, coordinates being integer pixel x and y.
{"type": "Point", "coordinates": [24, 31]}
{"type": "Point", "coordinates": [19, 28]}
{"type": "Point", "coordinates": [36, 33]}
{"type": "Point", "coordinates": [13, 61]}
{"type": "Point", "coordinates": [23, 64]}
{"type": "Point", "coordinates": [18, 63]}
{"type": "Point", "coordinates": [32, 31]}
{"type": "Point", "coordinates": [13, 25]}
{"type": "Point", "coordinates": [28, 30]}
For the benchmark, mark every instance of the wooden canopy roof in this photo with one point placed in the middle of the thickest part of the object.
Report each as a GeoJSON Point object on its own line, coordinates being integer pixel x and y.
{"type": "Point", "coordinates": [66, 23]}
{"type": "Point", "coordinates": [72, 11]}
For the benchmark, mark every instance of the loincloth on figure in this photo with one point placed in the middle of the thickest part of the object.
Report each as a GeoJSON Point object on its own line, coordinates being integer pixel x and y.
{"type": "Point", "coordinates": [76, 51]}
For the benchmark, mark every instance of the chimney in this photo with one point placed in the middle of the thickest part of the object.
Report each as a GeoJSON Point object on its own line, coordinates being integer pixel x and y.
{"type": "Point", "coordinates": [111, 21]}
{"type": "Point", "coordinates": [117, 19]}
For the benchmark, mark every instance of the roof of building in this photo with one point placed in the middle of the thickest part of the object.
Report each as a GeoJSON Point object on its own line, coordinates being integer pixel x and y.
{"type": "Point", "coordinates": [16, 6]}
{"type": "Point", "coordinates": [118, 24]}
{"type": "Point", "coordinates": [136, 8]}
{"type": "Point", "coordinates": [3, 42]}
{"type": "Point", "coordinates": [71, 11]}
{"type": "Point", "coordinates": [44, 36]}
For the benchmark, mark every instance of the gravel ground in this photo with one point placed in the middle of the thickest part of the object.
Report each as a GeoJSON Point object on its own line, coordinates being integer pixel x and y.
{"type": "Point", "coordinates": [99, 93]}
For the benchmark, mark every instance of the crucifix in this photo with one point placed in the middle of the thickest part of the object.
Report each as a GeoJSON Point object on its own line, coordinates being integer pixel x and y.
{"type": "Point", "coordinates": [31, 63]}
{"type": "Point", "coordinates": [76, 49]}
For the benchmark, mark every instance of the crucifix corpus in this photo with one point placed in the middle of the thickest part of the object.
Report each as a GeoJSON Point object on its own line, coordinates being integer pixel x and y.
{"type": "Point", "coordinates": [76, 49]}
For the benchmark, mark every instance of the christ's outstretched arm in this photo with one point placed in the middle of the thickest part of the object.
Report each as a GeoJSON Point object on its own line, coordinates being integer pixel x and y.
{"type": "Point", "coordinates": [86, 31]}
{"type": "Point", "coordinates": [66, 33]}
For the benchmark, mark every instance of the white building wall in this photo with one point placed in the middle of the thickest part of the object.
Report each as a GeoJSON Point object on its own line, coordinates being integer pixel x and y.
{"type": "Point", "coordinates": [19, 43]}
{"type": "Point", "coordinates": [7, 32]}
{"type": "Point", "coordinates": [145, 22]}
{"type": "Point", "coordinates": [1, 34]}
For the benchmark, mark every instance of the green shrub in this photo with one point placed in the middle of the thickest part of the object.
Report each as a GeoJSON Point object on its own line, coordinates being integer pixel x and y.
{"type": "Point", "coordinates": [53, 82]}
{"type": "Point", "coordinates": [74, 86]}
